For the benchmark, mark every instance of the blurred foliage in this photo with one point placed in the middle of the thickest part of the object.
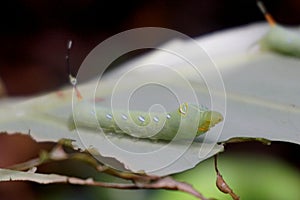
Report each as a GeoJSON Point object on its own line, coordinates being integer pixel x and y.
{"type": "Point", "coordinates": [251, 176]}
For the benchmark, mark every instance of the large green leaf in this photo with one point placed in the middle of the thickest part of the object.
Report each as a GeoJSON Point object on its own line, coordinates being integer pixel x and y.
{"type": "Point", "coordinates": [262, 99]}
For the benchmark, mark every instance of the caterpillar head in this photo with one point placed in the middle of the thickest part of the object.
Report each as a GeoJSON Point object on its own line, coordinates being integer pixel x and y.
{"type": "Point", "coordinates": [208, 119]}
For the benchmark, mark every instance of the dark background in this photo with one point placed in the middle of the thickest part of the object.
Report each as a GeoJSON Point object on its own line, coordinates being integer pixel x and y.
{"type": "Point", "coordinates": [34, 33]}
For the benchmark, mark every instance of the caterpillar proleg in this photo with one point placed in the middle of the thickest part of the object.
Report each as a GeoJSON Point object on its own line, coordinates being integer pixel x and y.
{"type": "Point", "coordinates": [279, 39]}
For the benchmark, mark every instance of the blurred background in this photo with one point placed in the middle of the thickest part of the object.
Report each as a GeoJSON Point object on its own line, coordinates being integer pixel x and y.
{"type": "Point", "coordinates": [33, 41]}
{"type": "Point", "coordinates": [34, 33]}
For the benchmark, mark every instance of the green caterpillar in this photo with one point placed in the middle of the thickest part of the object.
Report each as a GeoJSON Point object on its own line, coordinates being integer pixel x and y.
{"type": "Point", "coordinates": [282, 40]}
{"type": "Point", "coordinates": [138, 124]}
{"type": "Point", "coordinates": [279, 39]}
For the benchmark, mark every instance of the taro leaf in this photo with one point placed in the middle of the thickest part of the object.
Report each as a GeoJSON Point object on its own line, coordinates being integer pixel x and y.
{"type": "Point", "coordinates": [262, 87]}
{"type": "Point", "coordinates": [48, 122]}
{"type": "Point", "coordinates": [262, 98]}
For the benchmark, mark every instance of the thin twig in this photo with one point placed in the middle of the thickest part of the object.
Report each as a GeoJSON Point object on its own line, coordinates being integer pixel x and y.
{"type": "Point", "coordinates": [108, 170]}
{"type": "Point", "coordinates": [26, 165]}
{"type": "Point", "coordinates": [72, 79]}
{"type": "Point", "coordinates": [267, 15]}
{"type": "Point", "coordinates": [221, 184]}
{"type": "Point", "coordinates": [167, 183]}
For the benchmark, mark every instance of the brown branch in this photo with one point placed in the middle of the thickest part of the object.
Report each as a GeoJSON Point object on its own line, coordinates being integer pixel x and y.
{"type": "Point", "coordinates": [140, 181]}
{"type": "Point", "coordinates": [221, 184]}
{"type": "Point", "coordinates": [58, 154]}
{"type": "Point", "coordinates": [108, 170]}
{"type": "Point", "coordinates": [167, 183]}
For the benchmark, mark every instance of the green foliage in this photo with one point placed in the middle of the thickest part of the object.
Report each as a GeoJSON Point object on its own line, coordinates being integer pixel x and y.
{"type": "Point", "coordinates": [251, 176]}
